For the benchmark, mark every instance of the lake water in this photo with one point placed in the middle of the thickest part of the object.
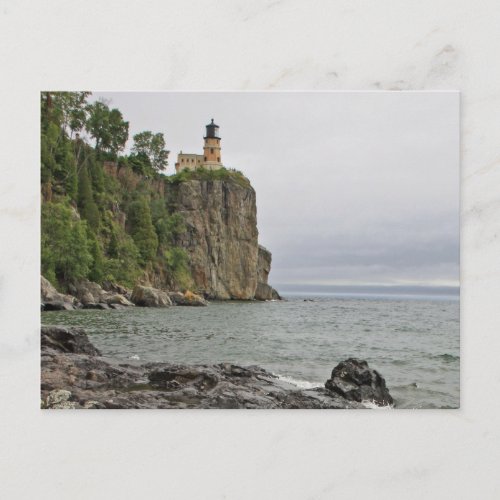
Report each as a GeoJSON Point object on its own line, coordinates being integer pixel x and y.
{"type": "Point", "coordinates": [413, 342]}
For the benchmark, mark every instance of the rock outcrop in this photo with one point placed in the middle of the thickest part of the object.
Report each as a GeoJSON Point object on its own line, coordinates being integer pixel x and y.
{"type": "Point", "coordinates": [74, 375]}
{"type": "Point", "coordinates": [221, 240]}
{"type": "Point", "coordinates": [146, 296]}
{"type": "Point", "coordinates": [92, 296]}
{"type": "Point", "coordinates": [355, 380]}
{"type": "Point", "coordinates": [52, 300]}
{"type": "Point", "coordinates": [187, 299]}
{"type": "Point", "coordinates": [264, 291]}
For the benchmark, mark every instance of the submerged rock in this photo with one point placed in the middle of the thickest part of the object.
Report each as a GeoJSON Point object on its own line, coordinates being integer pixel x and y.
{"type": "Point", "coordinates": [74, 375]}
{"type": "Point", "coordinates": [146, 296]}
{"type": "Point", "coordinates": [354, 380]}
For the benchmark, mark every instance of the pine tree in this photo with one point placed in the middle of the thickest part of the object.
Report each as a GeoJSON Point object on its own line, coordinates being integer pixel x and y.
{"type": "Point", "coordinates": [142, 229]}
{"type": "Point", "coordinates": [86, 204]}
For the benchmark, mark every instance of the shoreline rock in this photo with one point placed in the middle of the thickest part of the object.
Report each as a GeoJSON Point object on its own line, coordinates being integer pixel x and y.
{"type": "Point", "coordinates": [75, 375]}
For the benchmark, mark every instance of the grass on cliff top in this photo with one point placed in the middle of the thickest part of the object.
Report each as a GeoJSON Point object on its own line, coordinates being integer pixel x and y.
{"type": "Point", "coordinates": [202, 174]}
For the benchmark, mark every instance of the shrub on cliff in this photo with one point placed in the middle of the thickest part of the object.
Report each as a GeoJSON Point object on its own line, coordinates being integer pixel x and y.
{"type": "Point", "coordinates": [203, 174]}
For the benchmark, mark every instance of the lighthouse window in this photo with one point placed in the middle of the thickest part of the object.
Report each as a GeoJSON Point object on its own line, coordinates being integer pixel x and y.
{"type": "Point", "coordinates": [218, 158]}
{"type": "Point", "coordinates": [211, 150]}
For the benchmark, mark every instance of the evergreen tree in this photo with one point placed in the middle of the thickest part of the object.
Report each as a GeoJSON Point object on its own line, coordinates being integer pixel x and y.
{"type": "Point", "coordinates": [142, 229]}
{"type": "Point", "coordinates": [86, 204]}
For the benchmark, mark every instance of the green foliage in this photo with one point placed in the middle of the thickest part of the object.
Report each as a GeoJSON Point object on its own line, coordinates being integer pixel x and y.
{"type": "Point", "coordinates": [85, 233]}
{"type": "Point", "coordinates": [107, 127]}
{"type": "Point", "coordinates": [202, 174]}
{"type": "Point", "coordinates": [152, 146]}
{"type": "Point", "coordinates": [87, 206]}
{"type": "Point", "coordinates": [177, 263]}
{"type": "Point", "coordinates": [140, 164]}
{"type": "Point", "coordinates": [142, 229]}
{"type": "Point", "coordinates": [96, 272]}
{"type": "Point", "coordinates": [65, 248]}
{"type": "Point", "coordinates": [122, 264]}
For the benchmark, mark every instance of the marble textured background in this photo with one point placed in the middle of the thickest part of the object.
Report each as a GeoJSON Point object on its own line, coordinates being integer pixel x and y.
{"type": "Point", "coordinates": [287, 44]}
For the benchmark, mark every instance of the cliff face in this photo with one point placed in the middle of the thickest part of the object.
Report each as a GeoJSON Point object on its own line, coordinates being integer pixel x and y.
{"type": "Point", "coordinates": [221, 238]}
{"type": "Point", "coordinates": [264, 291]}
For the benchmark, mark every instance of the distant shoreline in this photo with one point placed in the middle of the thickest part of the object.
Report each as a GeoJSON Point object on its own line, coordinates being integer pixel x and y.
{"type": "Point", "coordinates": [372, 292]}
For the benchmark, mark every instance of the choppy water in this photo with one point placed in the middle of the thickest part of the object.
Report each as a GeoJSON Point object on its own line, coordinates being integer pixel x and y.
{"type": "Point", "coordinates": [413, 343]}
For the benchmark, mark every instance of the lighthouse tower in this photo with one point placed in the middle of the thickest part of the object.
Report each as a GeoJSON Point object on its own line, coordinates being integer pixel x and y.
{"type": "Point", "coordinates": [211, 149]}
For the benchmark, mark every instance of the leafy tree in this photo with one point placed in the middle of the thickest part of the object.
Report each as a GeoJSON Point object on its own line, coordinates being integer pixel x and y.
{"type": "Point", "coordinates": [66, 109]}
{"type": "Point", "coordinates": [65, 253]}
{"type": "Point", "coordinates": [142, 229]}
{"type": "Point", "coordinates": [107, 127]}
{"type": "Point", "coordinates": [140, 164]}
{"type": "Point", "coordinates": [153, 147]}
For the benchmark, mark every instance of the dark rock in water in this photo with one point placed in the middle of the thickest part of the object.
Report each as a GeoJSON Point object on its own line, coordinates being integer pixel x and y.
{"type": "Point", "coordinates": [75, 376]}
{"type": "Point", "coordinates": [354, 380]}
{"type": "Point", "coordinates": [63, 339]}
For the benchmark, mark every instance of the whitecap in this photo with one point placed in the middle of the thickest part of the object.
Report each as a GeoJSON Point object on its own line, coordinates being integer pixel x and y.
{"type": "Point", "coordinates": [301, 384]}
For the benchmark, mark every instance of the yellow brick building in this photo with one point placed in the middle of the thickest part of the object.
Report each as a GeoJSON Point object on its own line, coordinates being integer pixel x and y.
{"type": "Point", "coordinates": [210, 159]}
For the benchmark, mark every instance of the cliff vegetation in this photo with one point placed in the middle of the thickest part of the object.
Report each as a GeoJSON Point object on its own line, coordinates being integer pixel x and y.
{"type": "Point", "coordinates": [110, 216]}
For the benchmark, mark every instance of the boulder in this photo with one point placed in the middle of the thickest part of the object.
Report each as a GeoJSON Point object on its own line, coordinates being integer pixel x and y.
{"type": "Point", "coordinates": [146, 296]}
{"type": "Point", "coordinates": [187, 299]}
{"type": "Point", "coordinates": [110, 286]}
{"type": "Point", "coordinates": [118, 299]}
{"type": "Point", "coordinates": [52, 300]}
{"type": "Point", "coordinates": [59, 399]}
{"type": "Point", "coordinates": [354, 380]}
{"type": "Point", "coordinates": [92, 295]}
{"type": "Point", "coordinates": [64, 339]}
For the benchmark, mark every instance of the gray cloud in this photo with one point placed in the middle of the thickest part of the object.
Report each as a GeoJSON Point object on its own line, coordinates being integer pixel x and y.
{"type": "Point", "coordinates": [358, 187]}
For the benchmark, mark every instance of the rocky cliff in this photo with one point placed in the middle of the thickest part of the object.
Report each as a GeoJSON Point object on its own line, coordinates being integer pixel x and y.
{"type": "Point", "coordinates": [221, 239]}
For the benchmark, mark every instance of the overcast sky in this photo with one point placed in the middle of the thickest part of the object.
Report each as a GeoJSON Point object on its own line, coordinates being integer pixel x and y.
{"type": "Point", "coordinates": [352, 187]}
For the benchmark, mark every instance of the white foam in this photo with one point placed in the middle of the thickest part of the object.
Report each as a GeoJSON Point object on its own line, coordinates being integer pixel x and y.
{"type": "Point", "coordinates": [134, 356]}
{"type": "Point", "coordinates": [374, 406]}
{"type": "Point", "coordinates": [301, 384]}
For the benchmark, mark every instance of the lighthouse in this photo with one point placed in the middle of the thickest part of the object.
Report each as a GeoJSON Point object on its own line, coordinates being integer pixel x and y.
{"type": "Point", "coordinates": [210, 159]}
{"type": "Point", "coordinates": [211, 148]}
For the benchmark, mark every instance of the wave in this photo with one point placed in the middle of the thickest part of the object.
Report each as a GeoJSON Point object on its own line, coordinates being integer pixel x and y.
{"type": "Point", "coordinates": [301, 384]}
{"type": "Point", "coordinates": [374, 406]}
{"type": "Point", "coordinates": [305, 384]}
{"type": "Point", "coordinates": [447, 357]}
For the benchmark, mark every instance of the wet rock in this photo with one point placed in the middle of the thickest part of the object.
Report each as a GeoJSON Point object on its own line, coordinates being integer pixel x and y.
{"type": "Point", "coordinates": [71, 364]}
{"type": "Point", "coordinates": [354, 380]}
{"type": "Point", "coordinates": [64, 339]}
{"type": "Point", "coordinates": [146, 296]}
